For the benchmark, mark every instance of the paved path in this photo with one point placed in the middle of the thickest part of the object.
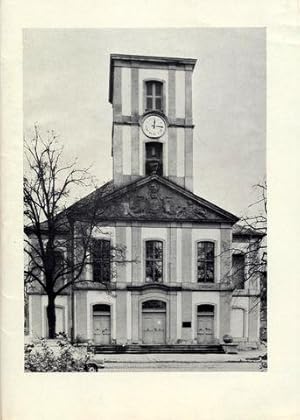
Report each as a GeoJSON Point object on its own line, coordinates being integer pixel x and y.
{"type": "Point", "coordinates": [180, 367]}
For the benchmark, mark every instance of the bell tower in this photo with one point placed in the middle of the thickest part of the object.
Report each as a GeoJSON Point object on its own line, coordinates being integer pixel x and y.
{"type": "Point", "coordinates": [152, 129]}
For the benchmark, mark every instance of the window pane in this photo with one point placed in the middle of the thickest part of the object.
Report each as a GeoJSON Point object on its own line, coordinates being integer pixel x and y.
{"type": "Point", "coordinates": [201, 274]}
{"type": "Point", "coordinates": [149, 271]}
{"type": "Point", "coordinates": [210, 255]}
{"type": "Point", "coordinates": [157, 250]}
{"type": "Point", "coordinates": [158, 104]}
{"type": "Point", "coordinates": [201, 254]}
{"type": "Point", "coordinates": [149, 87]}
{"type": "Point", "coordinates": [149, 103]}
{"type": "Point", "coordinates": [158, 272]}
{"type": "Point", "coordinates": [209, 272]}
{"type": "Point", "coordinates": [158, 89]}
{"type": "Point", "coordinates": [201, 270]}
{"type": "Point", "coordinates": [200, 246]}
{"type": "Point", "coordinates": [149, 249]}
{"type": "Point", "coordinates": [106, 272]}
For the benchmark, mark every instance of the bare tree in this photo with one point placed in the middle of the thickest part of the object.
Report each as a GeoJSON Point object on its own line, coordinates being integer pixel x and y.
{"type": "Point", "coordinates": [255, 228]}
{"type": "Point", "coordinates": [59, 239]}
{"type": "Point", "coordinates": [249, 249]}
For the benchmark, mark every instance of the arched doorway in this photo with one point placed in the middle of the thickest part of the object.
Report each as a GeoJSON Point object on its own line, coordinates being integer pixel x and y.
{"type": "Point", "coordinates": [205, 324]}
{"type": "Point", "coordinates": [154, 322]}
{"type": "Point", "coordinates": [101, 324]}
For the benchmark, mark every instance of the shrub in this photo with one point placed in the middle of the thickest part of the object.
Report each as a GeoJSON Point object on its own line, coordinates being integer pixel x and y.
{"type": "Point", "coordinates": [63, 358]}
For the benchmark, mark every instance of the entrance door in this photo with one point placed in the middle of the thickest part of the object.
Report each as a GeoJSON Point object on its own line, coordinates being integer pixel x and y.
{"type": "Point", "coordinates": [101, 324]}
{"type": "Point", "coordinates": [154, 328]}
{"type": "Point", "coordinates": [205, 324]}
{"type": "Point", "coordinates": [154, 322]}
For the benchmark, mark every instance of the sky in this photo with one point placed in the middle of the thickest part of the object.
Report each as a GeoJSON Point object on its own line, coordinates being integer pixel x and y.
{"type": "Point", "coordinates": [65, 89]}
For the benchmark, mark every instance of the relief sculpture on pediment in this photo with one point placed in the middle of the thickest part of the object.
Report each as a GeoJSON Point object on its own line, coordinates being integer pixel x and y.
{"type": "Point", "coordinates": [153, 203]}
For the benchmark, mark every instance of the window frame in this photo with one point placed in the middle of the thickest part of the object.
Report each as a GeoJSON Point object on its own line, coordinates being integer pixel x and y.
{"type": "Point", "coordinates": [206, 261]}
{"type": "Point", "coordinates": [162, 96]}
{"type": "Point", "coordinates": [101, 278]}
{"type": "Point", "coordinates": [154, 260]}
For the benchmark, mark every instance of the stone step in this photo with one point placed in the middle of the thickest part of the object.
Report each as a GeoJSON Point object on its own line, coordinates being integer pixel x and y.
{"type": "Point", "coordinates": [158, 348]}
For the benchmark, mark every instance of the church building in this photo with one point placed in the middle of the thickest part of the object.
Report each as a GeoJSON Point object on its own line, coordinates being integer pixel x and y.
{"type": "Point", "coordinates": [176, 284]}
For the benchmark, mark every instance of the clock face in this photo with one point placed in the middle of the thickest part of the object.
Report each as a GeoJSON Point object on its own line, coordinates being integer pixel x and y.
{"type": "Point", "coordinates": [154, 126]}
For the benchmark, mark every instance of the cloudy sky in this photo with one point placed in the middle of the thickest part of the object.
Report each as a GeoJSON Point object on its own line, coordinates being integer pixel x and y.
{"type": "Point", "coordinates": [66, 75]}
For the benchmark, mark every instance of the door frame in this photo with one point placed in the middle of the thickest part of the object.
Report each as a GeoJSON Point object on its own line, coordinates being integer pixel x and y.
{"type": "Point", "coordinates": [164, 312]}
{"type": "Point", "coordinates": [206, 317]}
{"type": "Point", "coordinates": [89, 316]}
{"type": "Point", "coordinates": [195, 320]}
{"type": "Point", "coordinates": [110, 317]}
{"type": "Point", "coordinates": [153, 296]}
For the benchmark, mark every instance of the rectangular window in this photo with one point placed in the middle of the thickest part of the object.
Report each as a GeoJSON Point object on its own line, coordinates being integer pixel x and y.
{"type": "Point", "coordinates": [101, 257]}
{"type": "Point", "coordinates": [154, 96]}
{"type": "Point", "coordinates": [205, 262]}
{"type": "Point", "coordinates": [154, 261]}
{"type": "Point", "coordinates": [238, 270]}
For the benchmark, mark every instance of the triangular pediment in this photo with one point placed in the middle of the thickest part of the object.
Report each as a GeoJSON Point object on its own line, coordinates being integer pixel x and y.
{"type": "Point", "coordinates": [158, 199]}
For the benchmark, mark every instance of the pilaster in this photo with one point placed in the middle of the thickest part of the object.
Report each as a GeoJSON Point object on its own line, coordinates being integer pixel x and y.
{"type": "Point", "coordinates": [121, 317]}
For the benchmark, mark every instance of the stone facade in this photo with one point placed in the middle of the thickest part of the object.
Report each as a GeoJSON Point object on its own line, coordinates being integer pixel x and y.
{"type": "Point", "coordinates": [142, 208]}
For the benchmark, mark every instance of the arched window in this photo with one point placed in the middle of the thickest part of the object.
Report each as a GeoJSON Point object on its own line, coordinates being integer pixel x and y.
{"type": "Point", "coordinates": [154, 96]}
{"type": "Point", "coordinates": [101, 257]}
{"type": "Point", "coordinates": [154, 261]}
{"type": "Point", "coordinates": [205, 262]}
{"type": "Point", "coordinates": [154, 158]}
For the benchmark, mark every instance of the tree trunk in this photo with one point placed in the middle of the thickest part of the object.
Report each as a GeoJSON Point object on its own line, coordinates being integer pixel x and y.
{"type": "Point", "coordinates": [51, 316]}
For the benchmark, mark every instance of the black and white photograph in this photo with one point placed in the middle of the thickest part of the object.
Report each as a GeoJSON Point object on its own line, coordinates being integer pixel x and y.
{"type": "Point", "coordinates": [149, 210]}
{"type": "Point", "coordinates": [145, 200]}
